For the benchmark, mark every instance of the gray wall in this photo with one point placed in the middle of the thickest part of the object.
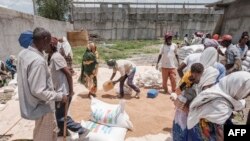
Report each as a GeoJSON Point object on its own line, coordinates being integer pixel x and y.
{"type": "Point", "coordinates": [124, 22]}
{"type": "Point", "coordinates": [236, 19]}
{"type": "Point", "coordinates": [12, 23]}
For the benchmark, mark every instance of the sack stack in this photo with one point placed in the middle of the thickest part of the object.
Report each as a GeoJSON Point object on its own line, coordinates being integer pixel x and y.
{"type": "Point", "coordinates": [109, 122]}
{"type": "Point", "coordinates": [246, 63]}
{"type": "Point", "coordinates": [150, 79]}
{"type": "Point", "coordinates": [187, 50]}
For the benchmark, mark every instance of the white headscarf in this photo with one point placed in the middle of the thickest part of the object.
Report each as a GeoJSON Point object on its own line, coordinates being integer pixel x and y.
{"type": "Point", "coordinates": [209, 76]}
{"type": "Point", "coordinates": [217, 103]}
{"type": "Point", "coordinates": [67, 48]}
{"type": "Point", "coordinates": [210, 43]}
{"type": "Point", "coordinates": [209, 57]}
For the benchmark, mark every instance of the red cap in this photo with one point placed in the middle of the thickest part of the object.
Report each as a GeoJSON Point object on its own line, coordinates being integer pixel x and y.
{"type": "Point", "coordinates": [227, 37]}
{"type": "Point", "coordinates": [168, 35]}
{"type": "Point", "coordinates": [216, 37]}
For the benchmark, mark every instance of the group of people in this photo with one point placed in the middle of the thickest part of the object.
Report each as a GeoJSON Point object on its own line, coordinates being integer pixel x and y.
{"type": "Point", "coordinates": [45, 86]}
{"type": "Point", "coordinates": [7, 70]}
{"type": "Point", "coordinates": [209, 90]}
{"type": "Point", "coordinates": [204, 97]}
{"type": "Point", "coordinates": [89, 71]}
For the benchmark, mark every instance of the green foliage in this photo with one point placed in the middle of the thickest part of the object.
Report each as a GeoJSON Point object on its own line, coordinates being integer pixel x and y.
{"type": "Point", "coordinates": [119, 50]}
{"type": "Point", "coordinates": [53, 9]}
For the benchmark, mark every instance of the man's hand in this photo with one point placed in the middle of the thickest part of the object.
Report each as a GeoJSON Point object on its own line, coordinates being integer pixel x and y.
{"type": "Point", "coordinates": [179, 104]}
{"type": "Point", "coordinates": [65, 98]}
{"type": "Point", "coordinates": [157, 66]}
{"type": "Point", "coordinates": [114, 82]}
{"type": "Point", "coordinates": [71, 93]}
{"type": "Point", "coordinates": [173, 96]}
{"type": "Point", "coordinates": [230, 71]}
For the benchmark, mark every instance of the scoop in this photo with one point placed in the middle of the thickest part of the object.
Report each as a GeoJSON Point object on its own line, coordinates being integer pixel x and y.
{"type": "Point", "coordinates": [108, 85]}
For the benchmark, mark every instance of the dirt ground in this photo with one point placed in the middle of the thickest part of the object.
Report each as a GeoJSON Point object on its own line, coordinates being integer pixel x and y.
{"type": "Point", "coordinates": [149, 116]}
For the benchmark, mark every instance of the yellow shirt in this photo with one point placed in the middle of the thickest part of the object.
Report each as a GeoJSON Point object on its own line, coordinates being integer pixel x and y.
{"type": "Point", "coordinates": [185, 79]}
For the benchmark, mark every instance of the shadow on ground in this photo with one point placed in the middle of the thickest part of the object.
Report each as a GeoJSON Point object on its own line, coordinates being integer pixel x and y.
{"type": "Point", "coordinates": [169, 139]}
{"type": "Point", "coordinates": [167, 129]}
{"type": "Point", "coordinates": [84, 96]}
{"type": "Point", "coordinates": [110, 96]}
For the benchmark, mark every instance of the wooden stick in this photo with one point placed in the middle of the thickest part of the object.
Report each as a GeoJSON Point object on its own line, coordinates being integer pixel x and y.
{"type": "Point", "coordinates": [65, 120]}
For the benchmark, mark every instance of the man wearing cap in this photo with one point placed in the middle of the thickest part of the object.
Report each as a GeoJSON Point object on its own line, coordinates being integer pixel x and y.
{"type": "Point", "coordinates": [232, 54]}
{"type": "Point", "coordinates": [167, 55]}
{"type": "Point", "coordinates": [127, 70]}
{"type": "Point", "coordinates": [216, 37]}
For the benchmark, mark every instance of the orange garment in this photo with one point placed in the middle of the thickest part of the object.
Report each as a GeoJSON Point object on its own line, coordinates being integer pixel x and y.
{"type": "Point", "coordinates": [171, 73]}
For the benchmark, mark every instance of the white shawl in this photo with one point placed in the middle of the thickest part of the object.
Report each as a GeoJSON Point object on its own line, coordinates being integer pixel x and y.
{"type": "Point", "coordinates": [209, 57]}
{"type": "Point", "coordinates": [217, 103]}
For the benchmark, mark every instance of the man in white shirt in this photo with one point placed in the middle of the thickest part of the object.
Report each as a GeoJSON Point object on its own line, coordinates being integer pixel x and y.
{"type": "Point", "coordinates": [188, 62]}
{"type": "Point", "coordinates": [186, 41]}
{"type": "Point", "coordinates": [63, 83]}
{"type": "Point", "coordinates": [127, 69]}
{"type": "Point", "coordinates": [197, 38]}
{"type": "Point", "coordinates": [167, 55]}
{"type": "Point", "coordinates": [242, 46]}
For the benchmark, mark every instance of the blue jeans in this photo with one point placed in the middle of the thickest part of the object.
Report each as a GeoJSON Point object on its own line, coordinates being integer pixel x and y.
{"type": "Point", "coordinates": [71, 124]}
{"type": "Point", "coordinates": [129, 83]}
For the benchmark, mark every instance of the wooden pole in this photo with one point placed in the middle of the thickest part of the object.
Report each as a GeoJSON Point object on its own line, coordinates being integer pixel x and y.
{"type": "Point", "coordinates": [65, 120]}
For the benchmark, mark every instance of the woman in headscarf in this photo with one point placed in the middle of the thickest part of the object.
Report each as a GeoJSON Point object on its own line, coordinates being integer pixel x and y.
{"type": "Point", "coordinates": [210, 110]}
{"type": "Point", "coordinates": [208, 78]}
{"type": "Point", "coordinates": [209, 58]}
{"type": "Point", "coordinates": [179, 130]}
{"type": "Point", "coordinates": [210, 43]}
{"type": "Point", "coordinates": [89, 69]}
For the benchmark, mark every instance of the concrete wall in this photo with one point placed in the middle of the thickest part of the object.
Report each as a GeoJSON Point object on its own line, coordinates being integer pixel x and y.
{"type": "Point", "coordinates": [124, 22]}
{"type": "Point", "coordinates": [12, 23]}
{"type": "Point", "coordinates": [236, 19]}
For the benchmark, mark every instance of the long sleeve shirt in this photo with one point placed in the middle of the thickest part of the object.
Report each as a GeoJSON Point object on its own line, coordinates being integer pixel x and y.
{"type": "Point", "coordinates": [35, 87]}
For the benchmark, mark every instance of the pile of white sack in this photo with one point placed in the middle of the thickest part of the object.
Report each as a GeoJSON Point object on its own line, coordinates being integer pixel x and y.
{"type": "Point", "coordinates": [150, 79]}
{"type": "Point", "coordinates": [109, 122]}
{"type": "Point", "coordinates": [187, 50]}
{"type": "Point", "coordinates": [7, 92]}
{"type": "Point", "coordinates": [246, 63]}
